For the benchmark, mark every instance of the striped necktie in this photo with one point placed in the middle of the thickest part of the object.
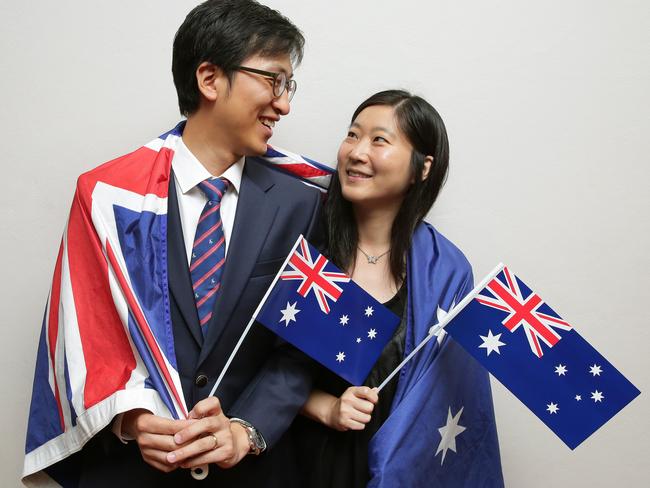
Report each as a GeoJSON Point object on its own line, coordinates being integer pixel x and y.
{"type": "Point", "coordinates": [209, 251]}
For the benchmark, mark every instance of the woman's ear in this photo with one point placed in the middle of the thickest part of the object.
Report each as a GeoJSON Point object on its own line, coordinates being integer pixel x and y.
{"type": "Point", "coordinates": [428, 161]}
{"type": "Point", "coordinates": [209, 79]}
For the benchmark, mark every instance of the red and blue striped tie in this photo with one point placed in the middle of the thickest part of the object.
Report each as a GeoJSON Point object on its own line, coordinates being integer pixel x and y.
{"type": "Point", "coordinates": [209, 251]}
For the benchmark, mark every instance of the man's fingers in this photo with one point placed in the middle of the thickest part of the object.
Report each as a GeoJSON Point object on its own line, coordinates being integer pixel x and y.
{"type": "Point", "coordinates": [223, 456]}
{"type": "Point", "coordinates": [206, 443]}
{"type": "Point", "coordinates": [158, 442]}
{"type": "Point", "coordinates": [206, 407]}
{"type": "Point", "coordinates": [159, 425]}
{"type": "Point", "coordinates": [200, 428]}
{"type": "Point", "coordinates": [157, 459]}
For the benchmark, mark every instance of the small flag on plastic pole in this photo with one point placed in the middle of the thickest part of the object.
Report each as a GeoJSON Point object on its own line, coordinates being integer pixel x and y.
{"type": "Point", "coordinates": [539, 357]}
{"type": "Point", "coordinates": [321, 311]}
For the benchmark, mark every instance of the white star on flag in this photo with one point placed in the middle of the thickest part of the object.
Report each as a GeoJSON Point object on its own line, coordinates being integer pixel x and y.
{"type": "Point", "coordinates": [595, 370]}
{"type": "Point", "coordinates": [440, 314]}
{"type": "Point", "coordinates": [340, 357]}
{"type": "Point", "coordinates": [449, 432]}
{"type": "Point", "coordinates": [289, 314]}
{"type": "Point", "coordinates": [560, 369]}
{"type": "Point", "coordinates": [578, 397]}
{"type": "Point", "coordinates": [358, 340]}
{"type": "Point", "coordinates": [552, 408]}
{"type": "Point", "coordinates": [344, 320]}
{"type": "Point", "coordinates": [372, 333]}
{"type": "Point", "coordinates": [491, 342]}
{"type": "Point", "coordinates": [369, 311]}
{"type": "Point", "coordinates": [597, 396]}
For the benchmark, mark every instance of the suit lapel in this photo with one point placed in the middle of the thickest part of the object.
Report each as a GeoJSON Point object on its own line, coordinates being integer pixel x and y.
{"type": "Point", "coordinates": [180, 282]}
{"type": "Point", "coordinates": [254, 217]}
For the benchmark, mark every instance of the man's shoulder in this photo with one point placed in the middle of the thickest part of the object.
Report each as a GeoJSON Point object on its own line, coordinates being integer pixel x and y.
{"type": "Point", "coordinates": [138, 171]}
{"type": "Point", "coordinates": [280, 181]}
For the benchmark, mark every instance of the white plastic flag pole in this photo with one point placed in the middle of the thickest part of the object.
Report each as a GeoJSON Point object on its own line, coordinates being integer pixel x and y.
{"type": "Point", "coordinates": [435, 330]}
{"type": "Point", "coordinates": [201, 472]}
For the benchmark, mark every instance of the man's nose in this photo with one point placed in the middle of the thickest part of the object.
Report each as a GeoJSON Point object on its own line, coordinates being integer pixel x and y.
{"type": "Point", "coordinates": [282, 104]}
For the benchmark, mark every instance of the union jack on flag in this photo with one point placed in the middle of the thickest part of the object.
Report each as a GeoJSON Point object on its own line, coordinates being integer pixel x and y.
{"type": "Point", "coordinates": [522, 312]}
{"type": "Point", "coordinates": [313, 277]}
{"type": "Point", "coordinates": [106, 344]}
{"type": "Point", "coordinates": [570, 386]}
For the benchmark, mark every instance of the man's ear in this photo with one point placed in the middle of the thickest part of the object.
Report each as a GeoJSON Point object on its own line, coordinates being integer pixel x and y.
{"type": "Point", "coordinates": [428, 161]}
{"type": "Point", "coordinates": [210, 81]}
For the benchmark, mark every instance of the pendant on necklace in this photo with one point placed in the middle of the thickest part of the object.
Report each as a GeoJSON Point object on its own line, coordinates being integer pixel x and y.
{"type": "Point", "coordinates": [372, 259]}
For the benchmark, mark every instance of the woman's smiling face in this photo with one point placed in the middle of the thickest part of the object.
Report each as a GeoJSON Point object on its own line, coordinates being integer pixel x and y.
{"type": "Point", "coordinates": [374, 160]}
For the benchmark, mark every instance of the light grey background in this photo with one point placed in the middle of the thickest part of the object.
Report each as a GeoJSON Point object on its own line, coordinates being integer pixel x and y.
{"type": "Point", "coordinates": [546, 104]}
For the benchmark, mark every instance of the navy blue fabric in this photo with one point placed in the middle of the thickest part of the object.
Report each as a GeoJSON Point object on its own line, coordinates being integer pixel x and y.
{"type": "Point", "coordinates": [441, 386]}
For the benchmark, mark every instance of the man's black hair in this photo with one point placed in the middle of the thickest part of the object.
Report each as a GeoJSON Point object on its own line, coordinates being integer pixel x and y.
{"type": "Point", "coordinates": [225, 33]}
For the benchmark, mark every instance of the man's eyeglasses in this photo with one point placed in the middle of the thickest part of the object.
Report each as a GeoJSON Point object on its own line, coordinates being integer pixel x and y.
{"type": "Point", "coordinates": [280, 81]}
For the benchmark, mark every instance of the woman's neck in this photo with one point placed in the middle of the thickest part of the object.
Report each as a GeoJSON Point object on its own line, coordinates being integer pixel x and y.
{"type": "Point", "coordinates": [374, 228]}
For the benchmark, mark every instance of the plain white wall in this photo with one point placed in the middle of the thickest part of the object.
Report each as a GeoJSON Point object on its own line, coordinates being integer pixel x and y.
{"type": "Point", "coordinates": [546, 104]}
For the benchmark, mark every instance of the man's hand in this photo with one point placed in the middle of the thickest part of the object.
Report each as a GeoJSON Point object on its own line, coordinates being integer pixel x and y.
{"type": "Point", "coordinates": [154, 435]}
{"type": "Point", "coordinates": [210, 438]}
{"type": "Point", "coordinates": [352, 410]}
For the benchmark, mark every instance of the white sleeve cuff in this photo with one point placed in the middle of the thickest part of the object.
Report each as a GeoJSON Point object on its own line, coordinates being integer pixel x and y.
{"type": "Point", "coordinates": [117, 429]}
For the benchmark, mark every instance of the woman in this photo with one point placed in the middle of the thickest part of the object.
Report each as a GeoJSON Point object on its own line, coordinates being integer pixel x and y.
{"type": "Point", "coordinates": [391, 166]}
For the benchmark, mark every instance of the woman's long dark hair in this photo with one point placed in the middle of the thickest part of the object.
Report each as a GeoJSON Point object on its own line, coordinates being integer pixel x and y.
{"type": "Point", "coordinates": [425, 130]}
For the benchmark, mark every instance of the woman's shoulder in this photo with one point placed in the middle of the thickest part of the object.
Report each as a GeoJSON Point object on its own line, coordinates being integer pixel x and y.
{"type": "Point", "coordinates": [427, 236]}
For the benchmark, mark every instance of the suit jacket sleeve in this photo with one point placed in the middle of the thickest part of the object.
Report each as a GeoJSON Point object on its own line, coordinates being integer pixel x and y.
{"type": "Point", "coordinates": [271, 401]}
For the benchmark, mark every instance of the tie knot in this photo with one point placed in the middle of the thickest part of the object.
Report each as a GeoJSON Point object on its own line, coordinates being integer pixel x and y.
{"type": "Point", "coordinates": [214, 188]}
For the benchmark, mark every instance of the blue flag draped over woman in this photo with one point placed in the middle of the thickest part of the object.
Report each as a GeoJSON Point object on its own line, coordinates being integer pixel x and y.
{"type": "Point", "coordinates": [441, 430]}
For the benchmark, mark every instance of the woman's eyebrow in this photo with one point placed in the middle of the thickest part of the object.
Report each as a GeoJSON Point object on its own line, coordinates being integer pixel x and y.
{"type": "Point", "coordinates": [377, 128]}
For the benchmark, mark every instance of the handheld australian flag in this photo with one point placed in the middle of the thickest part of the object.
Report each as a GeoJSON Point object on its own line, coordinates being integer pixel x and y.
{"type": "Point", "coordinates": [321, 311]}
{"type": "Point", "coordinates": [539, 357]}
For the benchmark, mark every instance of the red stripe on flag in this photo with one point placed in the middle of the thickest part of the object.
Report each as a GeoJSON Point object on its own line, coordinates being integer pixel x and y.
{"type": "Point", "coordinates": [53, 328]}
{"type": "Point", "coordinates": [142, 324]}
{"type": "Point", "coordinates": [107, 352]}
{"type": "Point", "coordinates": [303, 169]}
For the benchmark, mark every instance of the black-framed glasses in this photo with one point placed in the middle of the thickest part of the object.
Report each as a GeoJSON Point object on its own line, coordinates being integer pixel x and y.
{"type": "Point", "coordinates": [280, 81]}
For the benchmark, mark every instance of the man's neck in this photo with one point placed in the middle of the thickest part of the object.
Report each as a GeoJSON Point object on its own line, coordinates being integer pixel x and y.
{"type": "Point", "coordinates": [202, 141]}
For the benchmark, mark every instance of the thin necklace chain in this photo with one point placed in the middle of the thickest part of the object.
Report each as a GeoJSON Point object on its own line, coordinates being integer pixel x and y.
{"type": "Point", "coordinates": [372, 259]}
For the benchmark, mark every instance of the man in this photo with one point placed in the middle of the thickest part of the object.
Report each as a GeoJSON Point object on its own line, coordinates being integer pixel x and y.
{"type": "Point", "coordinates": [232, 68]}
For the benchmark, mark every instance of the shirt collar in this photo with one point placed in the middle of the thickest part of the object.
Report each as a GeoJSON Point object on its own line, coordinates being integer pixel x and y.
{"type": "Point", "coordinates": [190, 172]}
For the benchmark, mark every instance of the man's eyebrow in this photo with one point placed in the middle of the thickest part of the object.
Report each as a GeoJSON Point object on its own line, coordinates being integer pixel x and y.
{"type": "Point", "coordinates": [377, 128]}
{"type": "Point", "coordinates": [278, 68]}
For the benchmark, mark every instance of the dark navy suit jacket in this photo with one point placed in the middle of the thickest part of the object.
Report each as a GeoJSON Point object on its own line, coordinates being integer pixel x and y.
{"type": "Point", "coordinates": [268, 380]}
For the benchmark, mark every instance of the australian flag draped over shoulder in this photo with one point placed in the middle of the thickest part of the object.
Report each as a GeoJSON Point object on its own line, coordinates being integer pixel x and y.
{"type": "Point", "coordinates": [321, 311]}
{"type": "Point", "coordinates": [540, 358]}
{"type": "Point", "coordinates": [441, 430]}
{"type": "Point", "coordinates": [106, 344]}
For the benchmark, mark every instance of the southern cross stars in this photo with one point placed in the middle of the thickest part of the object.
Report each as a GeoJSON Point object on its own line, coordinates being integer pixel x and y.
{"type": "Point", "coordinates": [372, 333]}
{"type": "Point", "coordinates": [340, 357]}
{"type": "Point", "coordinates": [595, 370]}
{"type": "Point", "coordinates": [491, 342]}
{"type": "Point", "coordinates": [552, 408]}
{"type": "Point", "coordinates": [289, 314]}
{"type": "Point", "coordinates": [597, 396]}
{"type": "Point", "coordinates": [369, 311]}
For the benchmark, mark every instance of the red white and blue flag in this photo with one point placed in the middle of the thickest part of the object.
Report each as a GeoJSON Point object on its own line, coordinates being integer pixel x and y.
{"type": "Point", "coordinates": [106, 344]}
{"type": "Point", "coordinates": [539, 357]}
{"type": "Point", "coordinates": [316, 307]}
